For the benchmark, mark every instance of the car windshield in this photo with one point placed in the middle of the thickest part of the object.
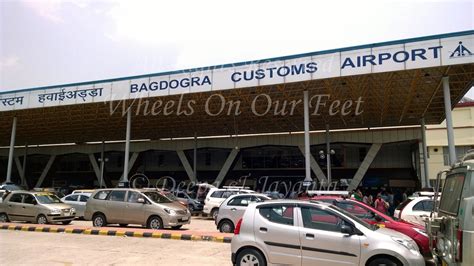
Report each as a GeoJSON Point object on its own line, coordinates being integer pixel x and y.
{"type": "Point", "coordinates": [355, 218]}
{"type": "Point", "coordinates": [170, 196]}
{"type": "Point", "coordinates": [157, 197]}
{"type": "Point", "coordinates": [451, 196]}
{"type": "Point", "coordinates": [47, 198]}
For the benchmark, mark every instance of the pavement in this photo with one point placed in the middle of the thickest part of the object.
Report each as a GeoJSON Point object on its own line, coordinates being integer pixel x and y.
{"type": "Point", "coordinates": [200, 229]}
{"type": "Point", "coordinates": [25, 248]}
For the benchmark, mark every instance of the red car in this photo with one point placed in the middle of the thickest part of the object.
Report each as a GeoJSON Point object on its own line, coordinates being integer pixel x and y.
{"type": "Point", "coordinates": [373, 216]}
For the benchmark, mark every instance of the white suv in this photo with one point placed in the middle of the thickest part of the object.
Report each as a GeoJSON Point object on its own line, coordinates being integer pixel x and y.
{"type": "Point", "coordinates": [216, 196]}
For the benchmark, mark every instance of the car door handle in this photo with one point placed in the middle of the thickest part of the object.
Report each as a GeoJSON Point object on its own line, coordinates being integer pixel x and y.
{"type": "Point", "coordinates": [263, 229]}
{"type": "Point", "coordinates": [23, 207]}
{"type": "Point", "coordinates": [309, 236]}
{"type": "Point", "coordinates": [233, 209]}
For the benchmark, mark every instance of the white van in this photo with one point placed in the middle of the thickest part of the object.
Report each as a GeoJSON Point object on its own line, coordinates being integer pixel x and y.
{"type": "Point", "coordinates": [453, 229]}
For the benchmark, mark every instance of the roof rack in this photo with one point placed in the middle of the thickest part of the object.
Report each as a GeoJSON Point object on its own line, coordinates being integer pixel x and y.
{"type": "Point", "coordinates": [328, 192]}
{"type": "Point", "coordinates": [235, 187]}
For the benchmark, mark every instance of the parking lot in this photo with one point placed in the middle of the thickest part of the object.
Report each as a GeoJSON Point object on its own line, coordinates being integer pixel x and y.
{"type": "Point", "coordinates": [18, 247]}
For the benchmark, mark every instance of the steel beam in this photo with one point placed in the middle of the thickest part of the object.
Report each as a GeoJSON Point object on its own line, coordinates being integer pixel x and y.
{"type": "Point", "coordinates": [10, 152]}
{"type": "Point", "coordinates": [45, 170]}
{"type": "Point", "coordinates": [307, 153]}
{"type": "Point", "coordinates": [186, 165]}
{"type": "Point", "coordinates": [226, 167]}
{"type": "Point", "coordinates": [127, 147]}
{"type": "Point", "coordinates": [364, 166]}
{"type": "Point", "coordinates": [426, 175]}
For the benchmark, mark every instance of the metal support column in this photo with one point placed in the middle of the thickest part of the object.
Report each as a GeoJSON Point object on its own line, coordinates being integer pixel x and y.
{"type": "Point", "coordinates": [102, 164]}
{"type": "Point", "coordinates": [307, 154]}
{"type": "Point", "coordinates": [25, 155]}
{"type": "Point", "coordinates": [328, 156]}
{"type": "Point", "coordinates": [127, 146]}
{"type": "Point", "coordinates": [195, 156]}
{"type": "Point", "coordinates": [425, 154]}
{"type": "Point", "coordinates": [449, 120]}
{"type": "Point", "coordinates": [10, 153]}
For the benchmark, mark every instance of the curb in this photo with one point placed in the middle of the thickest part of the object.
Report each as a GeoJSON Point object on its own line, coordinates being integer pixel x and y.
{"type": "Point", "coordinates": [151, 234]}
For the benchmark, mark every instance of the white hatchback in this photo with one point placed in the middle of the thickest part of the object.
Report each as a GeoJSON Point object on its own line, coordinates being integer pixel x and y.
{"type": "Point", "coordinates": [415, 210]}
{"type": "Point", "coordinates": [77, 200]}
{"type": "Point", "coordinates": [216, 196]}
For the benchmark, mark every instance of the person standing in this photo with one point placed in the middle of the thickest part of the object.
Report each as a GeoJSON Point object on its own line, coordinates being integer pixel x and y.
{"type": "Point", "coordinates": [381, 205]}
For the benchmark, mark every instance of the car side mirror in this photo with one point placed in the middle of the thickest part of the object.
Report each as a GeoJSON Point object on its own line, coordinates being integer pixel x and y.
{"type": "Point", "coordinates": [347, 229]}
{"type": "Point", "coordinates": [378, 218]}
{"type": "Point", "coordinates": [141, 200]}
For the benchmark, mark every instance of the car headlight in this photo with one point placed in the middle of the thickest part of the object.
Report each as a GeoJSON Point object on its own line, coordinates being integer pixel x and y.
{"type": "Point", "coordinates": [55, 211]}
{"type": "Point", "coordinates": [73, 210]}
{"type": "Point", "coordinates": [169, 211]}
{"type": "Point", "coordinates": [408, 244]}
{"type": "Point", "coordinates": [420, 231]}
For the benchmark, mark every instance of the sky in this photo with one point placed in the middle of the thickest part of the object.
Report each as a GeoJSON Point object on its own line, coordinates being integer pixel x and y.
{"type": "Point", "coordinates": [50, 42]}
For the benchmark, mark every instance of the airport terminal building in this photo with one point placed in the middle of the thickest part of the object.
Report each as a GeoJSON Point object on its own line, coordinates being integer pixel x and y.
{"type": "Point", "coordinates": [356, 115]}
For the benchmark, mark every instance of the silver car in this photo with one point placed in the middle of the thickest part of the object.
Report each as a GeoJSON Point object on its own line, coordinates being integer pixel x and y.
{"type": "Point", "coordinates": [292, 232]}
{"type": "Point", "coordinates": [125, 206]}
{"type": "Point", "coordinates": [78, 201]}
{"type": "Point", "coordinates": [233, 208]}
{"type": "Point", "coordinates": [36, 207]}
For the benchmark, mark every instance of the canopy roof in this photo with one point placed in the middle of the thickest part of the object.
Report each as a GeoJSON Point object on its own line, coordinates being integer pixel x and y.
{"type": "Point", "coordinates": [378, 85]}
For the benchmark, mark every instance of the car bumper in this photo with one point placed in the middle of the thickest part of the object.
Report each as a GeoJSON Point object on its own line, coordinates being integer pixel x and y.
{"type": "Point", "coordinates": [206, 210]}
{"type": "Point", "coordinates": [233, 258]}
{"type": "Point", "coordinates": [59, 218]}
{"type": "Point", "coordinates": [178, 220]}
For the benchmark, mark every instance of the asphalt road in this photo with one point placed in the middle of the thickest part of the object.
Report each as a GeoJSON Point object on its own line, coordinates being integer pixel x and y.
{"type": "Point", "coordinates": [17, 247]}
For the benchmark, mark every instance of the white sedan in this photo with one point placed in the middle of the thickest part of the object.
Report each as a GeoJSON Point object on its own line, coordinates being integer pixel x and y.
{"type": "Point", "coordinates": [78, 201]}
{"type": "Point", "coordinates": [415, 210]}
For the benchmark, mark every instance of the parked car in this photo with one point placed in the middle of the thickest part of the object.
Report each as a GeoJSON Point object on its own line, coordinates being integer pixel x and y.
{"type": "Point", "coordinates": [216, 196]}
{"type": "Point", "coordinates": [233, 208]}
{"type": "Point", "coordinates": [36, 207]}
{"type": "Point", "coordinates": [10, 186]}
{"type": "Point", "coordinates": [78, 201]}
{"type": "Point", "coordinates": [135, 206]}
{"type": "Point", "coordinates": [90, 191]}
{"type": "Point", "coordinates": [375, 217]}
{"type": "Point", "coordinates": [2, 192]}
{"type": "Point", "coordinates": [293, 232]}
{"type": "Point", "coordinates": [193, 204]}
{"type": "Point", "coordinates": [415, 210]}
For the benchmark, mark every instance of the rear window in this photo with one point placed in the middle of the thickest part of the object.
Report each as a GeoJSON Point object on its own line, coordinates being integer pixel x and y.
{"type": "Point", "coordinates": [216, 194]}
{"type": "Point", "coordinates": [451, 196]}
{"type": "Point", "coordinates": [118, 195]}
{"type": "Point", "coordinates": [424, 205]}
{"type": "Point", "coordinates": [102, 195]}
{"type": "Point", "coordinates": [72, 198]}
{"type": "Point", "coordinates": [403, 204]}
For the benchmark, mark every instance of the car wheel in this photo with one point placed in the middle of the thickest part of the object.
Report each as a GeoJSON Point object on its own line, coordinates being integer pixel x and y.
{"type": "Point", "coordinates": [191, 208]}
{"type": "Point", "coordinates": [123, 225]}
{"type": "Point", "coordinates": [3, 218]}
{"type": "Point", "coordinates": [176, 227]}
{"type": "Point", "coordinates": [99, 220]}
{"type": "Point", "coordinates": [249, 257]}
{"type": "Point", "coordinates": [155, 222]}
{"type": "Point", "coordinates": [214, 214]}
{"type": "Point", "coordinates": [41, 219]}
{"type": "Point", "coordinates": [226, 227]}
{"type": "Point", "coordinates": [66, 222]}
{"type": "Point", "coordinates": [385, 262]}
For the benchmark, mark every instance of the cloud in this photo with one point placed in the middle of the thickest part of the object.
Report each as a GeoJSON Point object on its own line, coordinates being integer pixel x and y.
{"type": "Point", "coordinates": [52, 10]}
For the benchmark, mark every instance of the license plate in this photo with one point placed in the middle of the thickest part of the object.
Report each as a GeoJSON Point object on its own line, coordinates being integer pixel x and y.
{"type": "Point", "coordinates": [184, 219]}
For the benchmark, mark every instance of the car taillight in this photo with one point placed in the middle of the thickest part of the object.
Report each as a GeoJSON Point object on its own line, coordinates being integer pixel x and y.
{"type": "Point", "coordinates": [237, 227]}
{"type": "Point", "coordinates": [459, 246]}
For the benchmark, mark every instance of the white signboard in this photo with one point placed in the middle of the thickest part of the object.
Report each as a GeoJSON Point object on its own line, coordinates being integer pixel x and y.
{"type": "Point", "coordinates": [450, 49]}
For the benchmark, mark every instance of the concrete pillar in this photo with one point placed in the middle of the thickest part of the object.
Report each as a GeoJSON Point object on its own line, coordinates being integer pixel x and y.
{"type": "Point", "coordinates": [425, 154]}
{"type": "Point", "coordinates": [25, 155]}
{"type": "Point", "coordinates": [195, 156]}
{"type": "Point", "coordinates": [10, 152]}
{"type": "Point", "coordinates": [307, 154]}
{"type": "Point", "coordinates": [127, 146]}
{"type": "Point", "coordinates": [449, 120]}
